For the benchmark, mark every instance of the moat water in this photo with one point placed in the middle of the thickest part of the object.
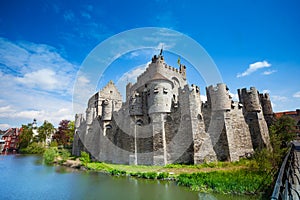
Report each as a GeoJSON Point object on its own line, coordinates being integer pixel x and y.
{"type": "Point", "coordinates": [26, 177]}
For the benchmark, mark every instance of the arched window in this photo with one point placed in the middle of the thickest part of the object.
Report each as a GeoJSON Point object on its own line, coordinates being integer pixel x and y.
{"type": "Point", "coordinates": [108, 126]}
{"type": "Point", "coordinates": [139, 122]}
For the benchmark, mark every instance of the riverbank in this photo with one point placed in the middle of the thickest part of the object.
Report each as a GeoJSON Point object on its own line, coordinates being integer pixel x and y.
{"type": "Point", "coordinates": [221, 177]}
{"type": "Point", "coordinates": [243, 177]}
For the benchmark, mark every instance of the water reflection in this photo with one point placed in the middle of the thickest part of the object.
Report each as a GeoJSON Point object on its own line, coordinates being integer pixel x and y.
{"type": "Point", "coordinates": [33, 180]}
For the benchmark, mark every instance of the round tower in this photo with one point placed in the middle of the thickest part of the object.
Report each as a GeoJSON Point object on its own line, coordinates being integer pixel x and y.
{"type": "Point", "coordinates": [218, 97]}
{"type": "Point", "coordinates": [266, 104]}
{"type": "Point", "coordinates": [250, 99]}
{"type": "Point", "coordinates": [159, 95]}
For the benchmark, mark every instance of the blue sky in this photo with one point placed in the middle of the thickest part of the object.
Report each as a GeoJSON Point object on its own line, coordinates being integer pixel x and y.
{"type": "Point", "coordinates": [44, 43]}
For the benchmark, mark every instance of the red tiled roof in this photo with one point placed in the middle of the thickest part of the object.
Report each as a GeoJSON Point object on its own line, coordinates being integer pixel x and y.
{"type": "Point", "coordinates": [280, 114]}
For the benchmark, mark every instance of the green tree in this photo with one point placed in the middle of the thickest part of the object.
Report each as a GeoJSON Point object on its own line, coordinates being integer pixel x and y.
{"type": "Point", "coordinates": [26, 136]}
{"type": "Point", "coordinates": [45, 131]}
{"type": "Point", "coordinates": [283, 131]}
{"type": "Point", "coordinates": [71, 132]}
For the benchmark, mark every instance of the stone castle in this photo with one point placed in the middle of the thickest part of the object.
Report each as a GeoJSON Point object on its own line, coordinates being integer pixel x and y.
{"type": "Point", "coordinates": [163, 121]}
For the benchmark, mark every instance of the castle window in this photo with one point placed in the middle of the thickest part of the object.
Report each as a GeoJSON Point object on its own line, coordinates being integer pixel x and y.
{"type": "Point", "coordinates": [165, 90]}
{"type": "Point", "coordinates": [111, 92]}
{"type": "Point", "coordinates": [156, 90]}
{"type": "Point", "coordinates": [139, 122]}
{"type": "Point", "coordinates": [108, 126]}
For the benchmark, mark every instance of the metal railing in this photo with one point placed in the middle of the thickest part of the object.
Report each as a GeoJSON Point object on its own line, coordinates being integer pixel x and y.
{"type": "Point", "coordinates": [286, 178]}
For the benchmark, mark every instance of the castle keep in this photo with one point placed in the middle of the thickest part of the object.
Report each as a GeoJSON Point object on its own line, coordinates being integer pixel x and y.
{"type": "Point", "coordinates": [163, 120]}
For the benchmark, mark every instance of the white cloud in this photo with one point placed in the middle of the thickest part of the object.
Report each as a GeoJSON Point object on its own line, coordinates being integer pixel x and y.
{"type": "Point", "coordinates": [130, 76]}
{"type": "Point", "coordinates": [253, 67]}
{"type": "Point", "coordinates": [36, 82]}
{"type": "Point", "coordinates": [268, 72]}
{"type": "Point", "coordinates": [4, 127]}
{"type": "Point", "coordinates": [69, 16]}
{"type": "Point", "coordinates": [235, 97]}
{"type": "Point", "coordinates": [279, 98]}
{"type": "Point", "coordinates": [297, 95]}
{"type": "Point", "coordinates": [44, 79]}
{"type": "Point", "coordinates": [266, 91]}
{"type": "Point", "coordinates": [5, 109]}
{"type": "Point", "coordinates": [203, 98]}
{"type": "Point", "coordinates": [86, 15]}
{"type": "Point", "coordinates": [82, 91]}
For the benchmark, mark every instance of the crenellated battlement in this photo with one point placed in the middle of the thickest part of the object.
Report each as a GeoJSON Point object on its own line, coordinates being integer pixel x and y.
{"type": "Point", "coordinates": [218, 97]}
{"type": "Point", "coordinates": [250, 99]}
{"type": "Point", "coordinates": [158, 65]}
{"type": "Point", "coordinates": [266, 104]}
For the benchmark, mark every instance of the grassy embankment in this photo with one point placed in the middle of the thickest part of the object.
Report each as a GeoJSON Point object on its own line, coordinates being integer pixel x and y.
{"type": "Point", "coordinates": [243, 177]}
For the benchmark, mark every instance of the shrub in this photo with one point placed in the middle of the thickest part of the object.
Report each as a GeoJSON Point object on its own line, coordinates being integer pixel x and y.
{"type": "Point", "coordinates": [50, 154]}
{"type": "Point", "coordinates": [163, 175]}
{"type": "Point", "coordinates": [149, 175]}
{"type": "Point", "coordinates": [116, 172]}
{"type": "Point", "coordinates": [65, 154]}
{"type": "Point", "coordinates": [53, 144]}
{"type": "Point", "coordinates": [33, 148]}
{"type": "Point", "coordinates": [85, 158]}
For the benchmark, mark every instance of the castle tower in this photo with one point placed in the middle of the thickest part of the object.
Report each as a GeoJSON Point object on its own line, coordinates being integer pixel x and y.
{"type": "Point", "coordinates": [159, 102]}
{"type": "Point", "coordinates": [254, 117]}
{"type": "Point", "coordinates": [267, 108]}
{"type": "Point", "coordinates": [228, 129]}
{"type": "Point", "coordinates": [159, 94]}
{"type": "Point", "coordinates": [219, 102]}
{"type": "Point", "coordinates": [218, 97]}
{"type": "Point", "coordinates": [250, 99]}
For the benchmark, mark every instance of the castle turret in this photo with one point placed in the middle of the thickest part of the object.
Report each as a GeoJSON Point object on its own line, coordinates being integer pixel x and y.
{"type": "Point", "coordinates": [218, 97]}
{"type": "Point", "coordinates": [266, 104]}
{"type": "Point", "coordinates": [250, 99]}
{"type": "Point", "coordinates": [159, 94]}
{"type": "Point", "coordinates": [255, 117]}
{"type": "Point", "coordinates": [267, 108]}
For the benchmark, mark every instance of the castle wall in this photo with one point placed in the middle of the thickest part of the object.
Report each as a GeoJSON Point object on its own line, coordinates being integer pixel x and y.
{"type": "Point", "coordinates": [179, 131]}
{"type": "Point", "coordinates": [226, 125]}
{"type": "Point", "coordinates": [117, 144]}
{"type": "Point", "coordinates": [253, 113]}
{"type": "Point", "coordinates": [164, 121]}
{"type": "Point", "coordinates": [238, 134]}
{"type": "Point", "coordinates": [136, 104]}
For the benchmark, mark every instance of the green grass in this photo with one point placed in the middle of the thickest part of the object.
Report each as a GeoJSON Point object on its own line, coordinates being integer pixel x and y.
{"type": "Point", "coordinates": [237, 181]}
{"type": "Point", "coordinates": [242, 177]}
{"type": "Point", "coordinates": [215, 165]}
{"type": "Point", "coordinates": [127, 168]}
